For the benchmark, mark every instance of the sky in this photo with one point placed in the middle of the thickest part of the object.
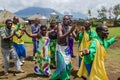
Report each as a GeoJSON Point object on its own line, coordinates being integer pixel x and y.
{"type": "Point", "coordinates": [62, 6]}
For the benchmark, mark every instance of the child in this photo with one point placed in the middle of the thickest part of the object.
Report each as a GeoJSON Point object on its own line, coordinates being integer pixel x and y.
{"type": "Point", "coordinates": [42, 59]}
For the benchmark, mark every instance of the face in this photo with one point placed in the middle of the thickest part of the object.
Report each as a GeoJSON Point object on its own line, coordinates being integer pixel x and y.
{"type": "Point", "coordinates": [15, 20]}
{"type": "Point", "coordinates": [44, 31]}
{"type": "Point", "coordinates": [66, 20]}
{"type": "Point", "coordinates": [9, 24]}
{"type": "Point", "coordinates": [37, 21]}
{"type": "Point", "coordinates": [105, 32]}
{"type": "Point", "coordinates": [87, 25]}
{"type": "Point", "coordinates": [52, 24]}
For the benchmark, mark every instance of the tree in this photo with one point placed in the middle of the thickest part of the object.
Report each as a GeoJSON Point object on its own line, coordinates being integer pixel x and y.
{"type": "Point", "coordinates": [102, 13]}
{"type": "Point", "coordinates": [110, 12]}
{"type": "Point", "coordinates": [89, 13]}
{"type": "Point", "coordinates": [116, 11]}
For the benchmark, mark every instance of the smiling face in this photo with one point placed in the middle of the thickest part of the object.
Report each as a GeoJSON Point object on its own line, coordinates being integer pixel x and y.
{"type": "Point", "coordinates": [8, 23]}
{"type": "Point", "coordinates": [43, 30]}
{"type": "Point", "coordinates": [105, 32]}
{"type": "Point", "coordinates": [102, 31]}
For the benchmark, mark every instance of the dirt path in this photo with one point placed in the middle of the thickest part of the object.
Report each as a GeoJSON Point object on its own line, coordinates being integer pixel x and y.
{"type": "Point", "coordinates": [112, 64]}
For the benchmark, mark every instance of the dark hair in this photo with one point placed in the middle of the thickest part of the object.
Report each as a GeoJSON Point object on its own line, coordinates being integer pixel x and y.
{"type": "Point", "coordinates": [99, 28]}
{"type": "Point", "coordinates": [66, 16]}
{"type": "Point", "coordinates": [43, 26]}
{"type": "Point", "coordinates": [8, 21]}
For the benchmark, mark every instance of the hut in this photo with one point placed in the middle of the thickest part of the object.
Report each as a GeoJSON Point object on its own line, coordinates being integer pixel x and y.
{"type": "Point", "coordinates": [5, 14]}
{"type": "Point", "coordinates": [43, 19]}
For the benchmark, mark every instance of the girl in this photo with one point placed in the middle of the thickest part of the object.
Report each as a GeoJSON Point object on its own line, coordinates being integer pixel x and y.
{"type": "Point", "coordinates": [42, 59]}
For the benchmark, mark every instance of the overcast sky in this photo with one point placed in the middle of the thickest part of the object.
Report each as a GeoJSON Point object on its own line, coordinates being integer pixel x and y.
{"type": "Point", "coordinates": [59, 5]}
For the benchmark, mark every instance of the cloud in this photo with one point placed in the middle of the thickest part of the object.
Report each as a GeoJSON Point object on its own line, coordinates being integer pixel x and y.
{"type": "Point", "coordinates": [59, 5]}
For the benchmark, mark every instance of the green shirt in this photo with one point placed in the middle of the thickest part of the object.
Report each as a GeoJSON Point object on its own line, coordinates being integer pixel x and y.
{"type": "Point", "coordinates": [106, 43]}
{"type": "Point", "coordinates": [5, 32]}
{"type": "Point", "coordinates": [91, 34]}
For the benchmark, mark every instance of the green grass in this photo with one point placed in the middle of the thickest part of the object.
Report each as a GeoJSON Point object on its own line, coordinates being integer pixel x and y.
{"type": "Point", "coordinates": [27, 39]}
{"type": "Point", "coordinates": [114, 32]}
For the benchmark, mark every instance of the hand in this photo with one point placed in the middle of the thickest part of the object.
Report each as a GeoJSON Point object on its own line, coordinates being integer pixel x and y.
{"type": "Point", "coordinates": [116, 39]}
{"type": "Point", "coordinates": [72, 28]}
{"type": "Point", "coordinates": [23, 29]}
{"type": "Point", "coordinates": [85, 52]}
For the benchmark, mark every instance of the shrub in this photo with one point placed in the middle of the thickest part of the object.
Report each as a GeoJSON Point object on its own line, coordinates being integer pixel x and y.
{"type": "Point", "coordinates": [2, 25]}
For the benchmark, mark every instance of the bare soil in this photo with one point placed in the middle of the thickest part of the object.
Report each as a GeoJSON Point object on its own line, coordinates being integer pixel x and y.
{"type": "Point", "coordinates": [112, 66]}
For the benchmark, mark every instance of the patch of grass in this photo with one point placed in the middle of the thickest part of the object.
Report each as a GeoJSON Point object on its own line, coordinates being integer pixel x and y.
{"type": "Point", "coordinates": [27, 39]}
{"type": "Point", "coordinates": [114, 32]}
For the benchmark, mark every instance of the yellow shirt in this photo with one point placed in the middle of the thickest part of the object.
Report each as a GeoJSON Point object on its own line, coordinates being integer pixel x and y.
{"type": "Point", "coordinates": [15, 38]}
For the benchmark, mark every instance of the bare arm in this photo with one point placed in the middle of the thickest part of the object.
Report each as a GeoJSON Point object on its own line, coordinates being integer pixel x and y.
{"type": "Point", "coordinates": [52, 30]}
{"type": "Point", "coordinates": [30, 34]}
{"type": "Point", "coordinates": [75, 35]}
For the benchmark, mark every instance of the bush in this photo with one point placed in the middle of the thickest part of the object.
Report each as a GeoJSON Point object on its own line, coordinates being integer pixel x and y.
{"type": "Point", "coordinates": [94, 24]}
{"type": "Point", "coordinates": [2, 25]}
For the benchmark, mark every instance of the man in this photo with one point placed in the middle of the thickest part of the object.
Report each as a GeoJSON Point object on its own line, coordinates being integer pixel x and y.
{"type": "Point", "coordinates": [95, 54]}
{"type": "Point", "coordinates": [35, 28]}
{"type": "Point", "coordinates": [18, 41]}
{"type": "Point", "coordinates": [84, 37]}
{"type": "Point", "coordinates": [63, 58]}
{"type": "Point", "coordinates": [7, 47]}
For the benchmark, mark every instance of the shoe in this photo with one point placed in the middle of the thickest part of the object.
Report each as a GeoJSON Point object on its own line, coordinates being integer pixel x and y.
{"type": "Point", "coordinates": [6, 73]}
{"type": "Point", "coordinates": [21, 64]}
{"type": "Point", "coordinates": [23, 61]}
{"type": "Point", "coordinates": [20, 71]}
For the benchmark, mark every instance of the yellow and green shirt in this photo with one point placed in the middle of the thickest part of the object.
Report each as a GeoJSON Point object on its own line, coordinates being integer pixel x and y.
{"type": "Point", "coordinates": [19, 32]}
{"type": "Point", "coordinates": [106, 43]}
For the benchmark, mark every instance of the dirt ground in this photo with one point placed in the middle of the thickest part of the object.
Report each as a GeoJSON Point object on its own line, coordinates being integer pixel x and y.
{"type": "Point", "coordinates": [112, 66]}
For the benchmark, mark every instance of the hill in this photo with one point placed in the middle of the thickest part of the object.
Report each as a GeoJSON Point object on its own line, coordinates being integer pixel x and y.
{"type": "Point", "coordinates": [33, 10]}
{"type": "Point", "coordinates": [46, 12]}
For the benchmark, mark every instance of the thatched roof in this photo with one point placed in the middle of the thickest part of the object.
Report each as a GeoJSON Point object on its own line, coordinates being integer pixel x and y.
{"type": "Point", "coordinates": [37, 16]}
{"type": "Point", "coordinates": [8, 15]}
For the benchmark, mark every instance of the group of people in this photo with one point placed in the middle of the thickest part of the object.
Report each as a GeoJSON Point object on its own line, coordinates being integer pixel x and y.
{"type": "Point", "coordinates": [54, 47]}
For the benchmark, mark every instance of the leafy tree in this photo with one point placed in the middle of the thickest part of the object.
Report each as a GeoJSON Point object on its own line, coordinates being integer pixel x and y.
{"type": "Point", "coordinates": [102, 13]}
{"type": "Point", "coordinates": [110, 12]}
{"type": "Point", "coordinates": [89, 13]}
{"type": "Point", "coordinates": [116, 11]}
